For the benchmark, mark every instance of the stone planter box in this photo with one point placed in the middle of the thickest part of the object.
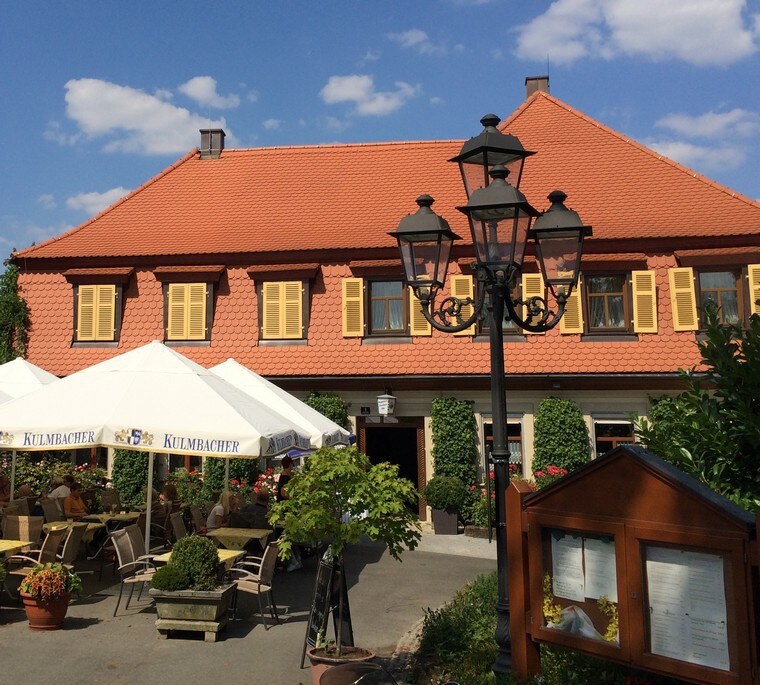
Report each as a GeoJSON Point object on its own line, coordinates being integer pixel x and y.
{"type": "Point", "coordinates": [445, 522]}
{"type": "Point", "coordinates": [476, 531]}
{"type": "Point", "coordinates": [200, 611]}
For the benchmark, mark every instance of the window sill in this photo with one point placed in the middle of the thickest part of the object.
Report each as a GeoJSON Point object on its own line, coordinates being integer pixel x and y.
{"type": "Point", "coordinates": [609, 337]}
{"type": "Point", "coordinates": [187, 343]}
{"type": "Point", "coordinates": [387, 340]}
{"type": "Point", "coordinates": [96, 343]}
{"type": "Point", "coordinates": [300, 342]}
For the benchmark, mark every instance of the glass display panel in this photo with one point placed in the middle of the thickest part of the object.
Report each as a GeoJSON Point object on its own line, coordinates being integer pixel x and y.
{"type": "Point", "coordinates": [580, 592]}
{"type": "Point", "coordinates": [686, 601]}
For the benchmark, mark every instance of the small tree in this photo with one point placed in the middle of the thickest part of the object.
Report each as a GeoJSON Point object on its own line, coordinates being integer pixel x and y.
{"type": "Point", "coordinates": [341, 497]}
{"type": "Point", "coordinates": [561, 436]}
{"type": "Point", "coordinates": [14, 316]}
{"type": "Point", "coordinates": [715, 435]}
{"type": "Point", "coordinates": [331, 406]}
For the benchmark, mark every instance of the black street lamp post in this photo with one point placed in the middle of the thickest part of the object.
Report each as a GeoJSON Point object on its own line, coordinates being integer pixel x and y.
{"type": "Point", "coordinates": [500, 221]}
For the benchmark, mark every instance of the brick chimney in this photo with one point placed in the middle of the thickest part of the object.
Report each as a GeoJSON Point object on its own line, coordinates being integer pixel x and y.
{"type": "Point", "coordinates": [534, 83]}
{"type": "Point", "coordinates": [212, 143]}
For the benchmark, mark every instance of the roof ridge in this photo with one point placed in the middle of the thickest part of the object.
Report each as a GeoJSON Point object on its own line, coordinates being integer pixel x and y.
{"type": "Point", "coordinates": [629, 141]}
{"type": "Point", "coordinates": [328, 146]}
{"type": "Point", "coordinates": [28, 250]}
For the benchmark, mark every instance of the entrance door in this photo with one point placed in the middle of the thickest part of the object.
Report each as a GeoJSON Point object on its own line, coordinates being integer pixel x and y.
{"type": "Point", "coordinates": [401, 443]}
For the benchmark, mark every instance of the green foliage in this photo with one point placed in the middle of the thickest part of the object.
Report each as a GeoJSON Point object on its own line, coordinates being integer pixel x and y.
{"type": "Point", "coordinates": [455, 439]}
{"type": "Point", "coordinates": [38, 469]}
{"type": "Point", "coordinates": [715, 436]}
{"type": "Point", "coordinates": [331, 406]}
{"type": "Point", "coordinates": [3, 574]}
{"type": "Point", "coordinates": [170, 578]}
{"type": "Point", "coordinates": [340, 496]}
{"type": "Point", "coordinates": [561, 435]}
{"type": "Point", "coordinates": [481, 512]}
{"type": "Point", "coordinates": [197, 558]}
{"type": "Point", "coordinates": [14, 316]}
{"type": "Point", "coordinates": [445, 492]}
{"type": "Point", "coordinates": [459, 638]}
{"type": "Point", "coordinates": [129, 476]}
{"type": "Point", "coordinates": [189, 486]}
{"type": "Point", "coordinates": [241, 470]}
{"type": "Point", "coordinates": [50, 581]}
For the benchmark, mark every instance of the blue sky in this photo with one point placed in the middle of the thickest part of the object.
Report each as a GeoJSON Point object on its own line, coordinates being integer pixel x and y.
{"type": "Point", "coordinates": [97, 97]}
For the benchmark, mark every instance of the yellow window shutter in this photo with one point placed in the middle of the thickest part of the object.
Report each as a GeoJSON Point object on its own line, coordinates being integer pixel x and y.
{"type": "Point", "coordinates": [644, 302]}
{"type": "Point", "coordinates": [271, 313]}
{"type": "Point", "coordinates": [196, 311]}
{"type": "Point", "coordinates": [292, 309]}
{"type": "Point", "coordinates": [176, 326]}
{"type": "Point", "coordinates": [353, 307]}
{"type": "Point", "coordinates": [753, 275]}
{"type": "Point", "coordinates": [682, 299]}
{"type": "Point", "coordinates": [532, 286]}
{"type": "Point", "coordinates": [462, 288]}
{"type": "Point", "coordinates": [572, 320]}
{"type": "Point", "coordinates": [86, 313]}
{"type": "Point", "coordinates": [106, 312]}
{"type": "Point", "coordinates": [418, 324]}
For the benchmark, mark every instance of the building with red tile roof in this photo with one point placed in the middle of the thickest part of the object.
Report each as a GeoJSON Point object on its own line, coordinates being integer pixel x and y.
{"type": "Point", "coordinates": [280, 257]}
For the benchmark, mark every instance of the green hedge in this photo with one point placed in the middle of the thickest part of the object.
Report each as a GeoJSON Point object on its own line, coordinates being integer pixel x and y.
{"type": "Point", "coordinates": [331, 406]}
{"type": "Point", "coordinates": [561, 436]}
{"type": "Point", "coordinates": [455, 439]}
{"type": "Point", "coordinates": [129, 476]}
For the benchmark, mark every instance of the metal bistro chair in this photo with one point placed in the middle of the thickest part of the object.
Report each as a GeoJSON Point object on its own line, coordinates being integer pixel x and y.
{"type": "Point", "coordinates": [51, 510]}
{"type": "Point", "coordinates": [22, 504]}
{"type": "Point", "coordinates": [47, 553]}
{"type": "Point", "coordinates": [199, 523]}
{"type": "Point", "coordinates": [23, 528]}
{"type": "Point", "coordinates": [178, 526]}
{"type": "Point", "coordinates": [133, 568]}
{"type": "Point", "coordinates": [257, 583]}
{"type": "Point", "coordinates": [70, 552]}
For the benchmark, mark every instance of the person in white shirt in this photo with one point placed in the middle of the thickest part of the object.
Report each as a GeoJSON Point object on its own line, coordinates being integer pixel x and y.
{"type": "Point", "coordinates": [60, 490]}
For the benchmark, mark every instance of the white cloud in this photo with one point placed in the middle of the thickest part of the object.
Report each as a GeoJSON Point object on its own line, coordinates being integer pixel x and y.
{"type": "Point", "coordinates": [360, 89]}
{"type": "Point", "coordinates": [335, 124]}
{"type": "Point", "coordinates": [55, 133]}
{"type": "Point", "coordinates": [93, 203]}
{"type": "Point", "coordinates": [418, 40]}
{"type": "Point", "coordinates": [134, 121]}
{"type": "Point", "coordinates": [253, 96]}
{"type": "Point", "coordinates": [47, 201]}
{"type": "Point", "coordinates": [435, 100]}
{"type": "Point", "coordinates": [708, 158]}
{"type": "Point", "coordinates": [21, 234]}
{"type": "Point", "coordinates": [202, 89]}
{"type": "Point", "coordinates": [700, 32]}
{"type": "Point", "coordinates": [370, 56]}
{"type": "Point", "coordinates": [271, 124]}
{"type": "Point", "coordinates": [163, 94]}
{"type": "Point", "coordinates": [737, 122]}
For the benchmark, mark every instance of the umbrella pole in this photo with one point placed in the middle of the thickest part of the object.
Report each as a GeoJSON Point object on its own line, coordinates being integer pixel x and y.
{"type": "Point", "coordinates": [13, 473]}
{"type": "Point", "coordinates": [149, 502]}
{"type": "Point", "coordinates": [226, 474]}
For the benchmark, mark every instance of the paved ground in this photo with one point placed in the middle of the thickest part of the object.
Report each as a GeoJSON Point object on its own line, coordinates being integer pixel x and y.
{"type": "Point", "coordinates": [387, 600]}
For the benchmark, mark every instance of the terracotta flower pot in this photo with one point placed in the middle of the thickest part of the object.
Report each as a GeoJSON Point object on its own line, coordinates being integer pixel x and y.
{"type": "Point", "coordinates": [45, 615]}
{"type": "Point", "coordinates": [321, 661]}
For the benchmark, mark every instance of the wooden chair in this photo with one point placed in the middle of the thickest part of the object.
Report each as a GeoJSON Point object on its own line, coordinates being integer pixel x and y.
{"type": "Point", "coordinates": [258, 582]}
{"type": "Point", "coordinates": [51, 510]}
{"type": "Point", "coordinates": [23, 528]}
{"type": "Point", "coordinates": [133, 567]}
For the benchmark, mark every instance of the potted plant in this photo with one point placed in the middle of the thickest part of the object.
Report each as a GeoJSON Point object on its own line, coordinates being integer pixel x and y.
{"type": "Point", "coordinates": [45, 592]}
{"type": "Point", "coordinates": [340, 497]}
{"type": "Point", "coordinates": [186, 591]}
{"type": "Point", "coordinates": [445, 495]}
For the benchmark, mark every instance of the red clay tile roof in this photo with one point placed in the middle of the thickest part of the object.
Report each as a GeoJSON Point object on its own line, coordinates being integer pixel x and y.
{"type": "Point", "coordinates": [349, 196]}
{"type": "Point", "coordinates": [296, 270]}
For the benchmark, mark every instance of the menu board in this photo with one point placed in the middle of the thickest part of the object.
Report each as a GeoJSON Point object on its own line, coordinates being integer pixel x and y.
{"type": "Point", "coordinates": [686, 594]}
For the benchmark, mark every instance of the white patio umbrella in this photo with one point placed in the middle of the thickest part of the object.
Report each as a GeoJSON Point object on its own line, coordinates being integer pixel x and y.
{"type": "Point", "coordinates": [322, 431]}
{"type": "Point", "coordinates": [150, 399]}
{"type": "Point", "coordinates": [19, 377]}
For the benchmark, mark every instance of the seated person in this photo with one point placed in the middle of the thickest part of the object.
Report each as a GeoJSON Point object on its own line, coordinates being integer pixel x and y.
{"type": "Point", "coordinates": [74, 507]}
{"type": "Point", "coordinates": [5, 488]}
{"type": "Point", "coordinates": [256, 512]}
{"type": "Point", "coordinates": [61, 488]}
{"type": "Point", "coordinates": [219, 514]}
{"type": "Point", "coordinates": [170, 497]}
{"type": "Point", "coordinates": [24, 491]}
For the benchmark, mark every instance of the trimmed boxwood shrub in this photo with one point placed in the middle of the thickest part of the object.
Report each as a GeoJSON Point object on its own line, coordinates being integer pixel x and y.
{"type": "Point", "coordinates": [445, 492]}
{"type": "Point", "coordinates": [170, 578]}
{"type": "Point", "coordinates": [197, 558]}
{"type": "Point", "coordinates": [561, 435]}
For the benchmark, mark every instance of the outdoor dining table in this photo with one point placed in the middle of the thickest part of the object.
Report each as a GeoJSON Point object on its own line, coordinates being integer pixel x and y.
{"type": "Point", "coordinates": [92, 528]}
{"type": "Point", "coordinates": [226, 556]}
{"type": "Point", "coordinates": [238, 538]}
{"type": "Point", "coordinates": [10, 547]}
{"type": "Point", "coordinates": [115, 518]}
